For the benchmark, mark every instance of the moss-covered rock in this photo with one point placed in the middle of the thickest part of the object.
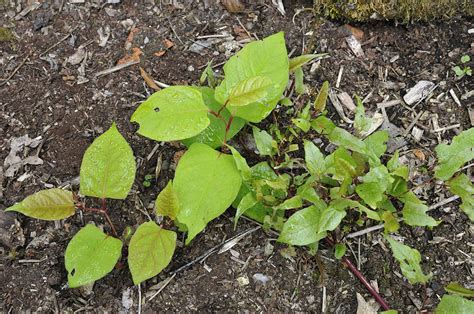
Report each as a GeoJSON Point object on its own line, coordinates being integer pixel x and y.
{"type": "Point", "coordinates": [398, 10]}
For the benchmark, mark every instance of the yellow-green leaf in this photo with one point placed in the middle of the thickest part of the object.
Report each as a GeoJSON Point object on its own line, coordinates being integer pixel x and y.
{"type": "Point", "coordinates": [108, 167]}
{"type": "Point", "coordinates": [257, 89]}
{"type": "Point", "coordinates": [206, 183]}
{"type": "Point", "coordinates": [172, 114]}
{"type": "Point", "coordinates": [321, 100]}
{"type": "Point", "coordinates": [52, 204]}
{"type": "Point", "coordinates": [453, 304]}
{"type": "Point", "coordinates": [462, 186]}
{"type": "Point", "coordinates": [150, 251]}
{"type": "Point", "coordinates": [409, 260]}
{"type": "Point", "coordinates": [90, 255]}
{"type": "Point", "coordinates": [167, 202]}
{"type": "Point", "coordinates": [298, 62]}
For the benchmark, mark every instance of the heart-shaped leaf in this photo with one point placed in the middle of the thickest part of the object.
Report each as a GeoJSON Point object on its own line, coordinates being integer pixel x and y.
{"type": "Point", "coordinates": [108, 166]}
{"type": "Point", "coordinates": [90, 255]}
{"type": "Point", "coordinates": [172, 114]}
{"type": "Point", "coordinates": [52, 204]}
{"type": "Point", "coordinates": [303, 227]}
{"type": "Point", "coordinates": [206, 183]}
{"type": "Point", "coordinates": [150, 251]}
{"type": "Point", "coordinates": [268, 58]}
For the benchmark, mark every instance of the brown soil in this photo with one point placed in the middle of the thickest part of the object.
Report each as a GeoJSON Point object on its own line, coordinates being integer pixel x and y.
{"type": "Point", "coordinates": [44, 98]}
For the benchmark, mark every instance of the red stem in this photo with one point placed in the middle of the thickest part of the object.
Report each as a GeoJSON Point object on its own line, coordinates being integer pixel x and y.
{"type": "Point", "coordinates": [362, 279]}
{"type": "Point", "coordinates": [102, 211]}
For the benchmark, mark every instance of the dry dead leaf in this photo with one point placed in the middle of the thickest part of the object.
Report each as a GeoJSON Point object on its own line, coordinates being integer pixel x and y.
{"type": "Point", "coordinates": [233, 6]}
{"type": "Point", "coordinates": [419, 154]}
{"type": "Point", "coordinates": [135, 56]}
{"type": "Point", "coordinates": [148, 80]}
{"type": "Point", "coordinates": [363, 307]}
{"type": "Point", "coordinates": [168, 43]}
{"type": "Point", "coordinates": [160, 53]}
{"type": "Point", "coordinates": [357, 32]}
{"type": "Point", "coordinates": [128, 42]}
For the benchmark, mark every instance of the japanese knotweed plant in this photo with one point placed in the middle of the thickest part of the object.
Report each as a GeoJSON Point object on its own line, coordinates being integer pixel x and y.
{"type": "Point", "coordinates": [206, 181]}
{"type": "Point", "coordinates": [305, 199]}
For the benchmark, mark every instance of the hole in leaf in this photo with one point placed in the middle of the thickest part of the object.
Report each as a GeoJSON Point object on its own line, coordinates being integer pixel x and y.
{"type": "Point", "coordinates": [157, 109]}
{"type": "Point", "coordinates": [73, 271]}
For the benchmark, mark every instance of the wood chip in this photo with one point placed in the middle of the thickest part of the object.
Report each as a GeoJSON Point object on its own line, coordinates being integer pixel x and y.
{"type": "Point", "coordinates": [417, 133]}
{"type": "Point", "coordinates": [347, 101]}
{"type": "Point", "coordinates": [456, 99]}
{"type": "Point", "coordinates": [233, 6]}
{"type": "Point", "coordinates": [337, 105]}
{"type": "Point", "coordinates": [418, 92]}
{"type": "Point", "coordinates": [355, 46]}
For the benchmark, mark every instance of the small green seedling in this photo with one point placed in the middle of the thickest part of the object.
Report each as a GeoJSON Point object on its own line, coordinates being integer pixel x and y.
{"type": "Point", "coordinates": [463, 69]}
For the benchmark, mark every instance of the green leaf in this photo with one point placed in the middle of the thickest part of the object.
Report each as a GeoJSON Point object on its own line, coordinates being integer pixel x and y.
{"type": "Point", "coordinates": [150, 251]}
{"type": "Point", "coordinates": [299, 81]}
{"type": "Point", "coordinates": [241, 164]}
{"type": "Point", "coordinates": [257, 89]}
{"type": "Point", "coordinates": [268, 58]}
{"type": "Point", "coordinates": [390, 223]}
{"type": "Point", "coordinates": [214, 134]}
{"type": "Point", "coordinates": [208, 74]}
{"type": "Point", "coordinates": [376, 182]}
{"type": "Point", "coordinates": [458, 71]}
{"type": "Point", "coordinates": [247, 202]}
{"type": "Point", "coordinates": [90, 255]}
{"type": "Point", "coordinates": [454, 156]}
{"type": "Point", "coordinates": [302, 228]}
{"type": "Point", "coordinates": [264, 141]}
{"type": "Point", "coordinates": [342, 138]}
{"type": "Point", "coordinates": [330, 218]}
{"type": "Point", "coordinates": [344, 165]}
{"type": "Point", "coordinates": [342, 204]}
{"type": "Point", "coordinates": [172, 114]}
{"type": "Point", "coordinates": [108, 167]}
{"type": "Point", "coordinates": [291, 203]}
{"type": "Point", "coordinates": [339, 250]}
{"type": "Point", "coordinates": [414, 211]}
{"type": "Point", "coordinates": [302, 123]}
{"type": "Point", "coordinates": [462, 186]}
{"type": "Point", "coordinates": [314, 159]}
{"type": "Point", "coordinates": [376, 143]}
{"type": "Point", "coordinates": [323, 125]}
{"type": "Point", "coordinates": [396, 168]}
{"type": "Point", "coordinates": [361, 123]}
{"type": "Point", "coordinates": [298, 62]}
{"type": "Point", "coordinates": [465, 59]}
{"type": "Point", "coordinates": [52, 204]}
{"type": "Point", "coordinates": [321, 99]}
{"type": "Point", "coordinates": [456, 288]}
{"type": "Point", "coordinates": [167, 203]}
{"type": "Point", "coordinates": [206, 183]}
{"type": "Point", "coordinates": [409, 260]}
{"type": "Point", "coordinates": [453, 304]}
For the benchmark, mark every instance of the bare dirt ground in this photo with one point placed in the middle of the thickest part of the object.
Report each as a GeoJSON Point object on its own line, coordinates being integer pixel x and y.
{"type": "Point", "coordinates": [49, 91]}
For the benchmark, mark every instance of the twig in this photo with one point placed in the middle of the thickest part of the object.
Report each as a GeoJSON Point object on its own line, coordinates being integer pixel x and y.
{"type": "Point", "coordinates": [139, 299]}
{"type": "Point", "coordinates": [212, 250]}
{"type": "Point", "coordinates": [60, 41]}
{"type": "Point", "coordinates": [116, 68]}
{"type": "Point", "coordinates": [412, 124]}
{"type": "Point", "coordinates": [444, 202]}
{"type": "Point", "coordinates": [364, 231]}
{"type": "Point", "coordinates": [162, 287]}
{"type": "Point", "coordinates": [16, 69]}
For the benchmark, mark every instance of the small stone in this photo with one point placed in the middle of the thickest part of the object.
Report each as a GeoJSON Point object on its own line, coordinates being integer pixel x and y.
{"type": "Point", "coordinates": [261, 278]}
{"type": "Point", "coordinates": [190, 68]}
{"type": "Point", "coordinates": [243, 281]}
